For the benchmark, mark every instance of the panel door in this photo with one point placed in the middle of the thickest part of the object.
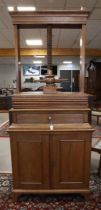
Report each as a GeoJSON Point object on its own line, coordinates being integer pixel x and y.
{"type": "Point", "coordinates": [30, 157]}
{"type": "Point", "coordinates": [70, 160]}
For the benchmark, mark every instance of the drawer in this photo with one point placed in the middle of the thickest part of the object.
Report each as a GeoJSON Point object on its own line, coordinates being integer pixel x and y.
{"type": "Point", "coordinates": [64, 116]}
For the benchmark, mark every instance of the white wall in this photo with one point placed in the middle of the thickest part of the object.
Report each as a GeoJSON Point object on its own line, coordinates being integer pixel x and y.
{"type": "Point", "coordinates": [7, 75]}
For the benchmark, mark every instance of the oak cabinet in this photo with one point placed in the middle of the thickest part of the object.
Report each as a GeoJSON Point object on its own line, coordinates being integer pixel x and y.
{"type": "Point", "coordinates": [50, 135]}
{"type": "Point", "coordinates": [50, 160]}
{"type": "Point", "coordinates": [50, 156]}
{"type": "Point", "coordinates": [94, 80]}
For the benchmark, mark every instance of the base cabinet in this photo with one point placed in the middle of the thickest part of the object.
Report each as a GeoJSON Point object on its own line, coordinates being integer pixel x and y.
{"type": "Point", "coordinates": [50, 143]}
{"type": "Point", "coordinates": [50, 161]}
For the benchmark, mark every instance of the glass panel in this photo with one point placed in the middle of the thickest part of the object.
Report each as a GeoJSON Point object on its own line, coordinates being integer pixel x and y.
{"type": "Point", "coordinates": [35, 58]}
{"type": "Point", "coordinates": [66, 56]}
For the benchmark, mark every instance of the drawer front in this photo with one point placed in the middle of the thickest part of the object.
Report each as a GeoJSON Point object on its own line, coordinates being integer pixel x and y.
{"type": "Point", "coordinates": [20, 117]}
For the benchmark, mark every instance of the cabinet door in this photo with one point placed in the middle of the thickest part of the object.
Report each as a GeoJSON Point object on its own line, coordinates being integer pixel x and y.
{"type": "Point", "coordinates": [30, 159]}
{"type": "Point", "coordinates": [70, 160]}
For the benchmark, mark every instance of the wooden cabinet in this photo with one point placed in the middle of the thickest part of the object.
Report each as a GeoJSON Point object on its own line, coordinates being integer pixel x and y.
{"type": "Point", "coordinates": [52, 160]}
{"type": "Point", "coordinates": [94, 80]}
{"type": "Point", "coordinates": [49, 133]}
{"type": "Point", "coordinates": [48, 160]}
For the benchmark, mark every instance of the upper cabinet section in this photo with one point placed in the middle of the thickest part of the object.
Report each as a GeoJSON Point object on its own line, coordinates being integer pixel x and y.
{"type": "Point", "coordinates": [68, 19]}
{"type": "Point", "coordinates": [72, 18]}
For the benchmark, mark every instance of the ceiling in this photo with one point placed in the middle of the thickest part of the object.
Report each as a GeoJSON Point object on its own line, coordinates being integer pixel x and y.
{"type": "Point", "coordinates": [93, 34]}
{"type": "Point", "coordinates": [62, 38]}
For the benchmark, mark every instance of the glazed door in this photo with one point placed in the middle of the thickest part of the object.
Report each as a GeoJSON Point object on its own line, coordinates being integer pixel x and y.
{"type": "Point", "coordinates": [70, 160]}
{"type": "Point", "coordinates": [66, 74]}
{"type": "Point", "coordinates": [30, 154]}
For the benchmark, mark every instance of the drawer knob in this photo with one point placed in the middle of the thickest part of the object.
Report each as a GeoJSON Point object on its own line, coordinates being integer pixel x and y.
{"type": "Point", "coordinates": [50, 123]}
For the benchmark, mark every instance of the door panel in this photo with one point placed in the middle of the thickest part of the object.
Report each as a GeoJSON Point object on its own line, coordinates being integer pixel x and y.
{"type": "Point", "coordinates": [31, 160]}
{"type": "Point", "coordinates": [69, 161]}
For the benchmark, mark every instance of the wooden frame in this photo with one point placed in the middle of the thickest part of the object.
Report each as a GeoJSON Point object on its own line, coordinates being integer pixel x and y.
{"type": "Point", "coordinates": [55, 19]}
